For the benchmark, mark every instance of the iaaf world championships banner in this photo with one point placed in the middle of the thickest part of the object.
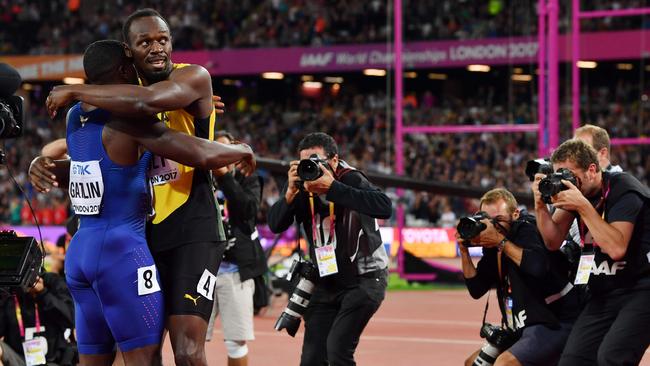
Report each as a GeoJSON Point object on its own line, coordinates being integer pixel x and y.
{"type": "Point", "coordinates": [416, 55]}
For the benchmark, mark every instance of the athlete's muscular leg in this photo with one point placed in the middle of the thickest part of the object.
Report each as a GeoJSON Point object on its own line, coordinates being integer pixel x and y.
{"type": "Point", "coordinates": [187, 335]}
{"type": "Point", "coordinates": [143, 356]}
{"type": "Point", "coordinates": [96, 360]}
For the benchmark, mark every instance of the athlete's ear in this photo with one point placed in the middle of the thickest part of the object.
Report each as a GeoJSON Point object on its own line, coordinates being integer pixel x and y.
{"type": "Point", "coordinates": [127, 50]}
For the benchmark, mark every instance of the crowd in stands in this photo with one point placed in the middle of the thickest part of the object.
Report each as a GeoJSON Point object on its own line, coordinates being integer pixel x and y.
{"type": "Point", "coordinates": [359, 123]}
{"type": "Point", "coordinates": [68, 26]}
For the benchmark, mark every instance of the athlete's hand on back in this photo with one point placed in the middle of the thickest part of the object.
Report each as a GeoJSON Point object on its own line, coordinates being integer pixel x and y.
{"type": "Point", "coordinates": [60, 96]}
{"type": "Point", "coordinates": [218, 104]}
{"type": "Point", "coordinates": [40, 174]}
{"type": "Point", "coordinates": [247, 165]}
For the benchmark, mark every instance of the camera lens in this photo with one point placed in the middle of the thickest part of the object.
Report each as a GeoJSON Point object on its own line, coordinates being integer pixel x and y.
{"type": "Point", "coordinates": [469, 227]}
{"type": "Point", "coordinates": [309, 170]}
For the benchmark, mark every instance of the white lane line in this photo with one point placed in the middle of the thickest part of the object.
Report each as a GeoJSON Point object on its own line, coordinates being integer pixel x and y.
{"type": "Point", "coordinates": [381, 338]}
{"type": "Point", "coordinates": [427, 321]}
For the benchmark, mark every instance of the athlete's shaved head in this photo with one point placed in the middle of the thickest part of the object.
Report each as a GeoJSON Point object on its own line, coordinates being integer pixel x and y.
{"type": "Point", "coordinates": [141, 13]}
{"type": "Point", "coordinates": [105, 62]}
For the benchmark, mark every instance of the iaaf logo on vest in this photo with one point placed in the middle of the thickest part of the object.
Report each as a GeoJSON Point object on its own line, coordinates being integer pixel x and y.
{"type": "Point", "coordinates": [79, 169]}
{"type": "Point", "coordinates": [604, 268]}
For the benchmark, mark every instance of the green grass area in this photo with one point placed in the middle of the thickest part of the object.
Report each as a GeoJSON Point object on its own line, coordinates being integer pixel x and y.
{"type": "Point", "coordinates": [395, 283]}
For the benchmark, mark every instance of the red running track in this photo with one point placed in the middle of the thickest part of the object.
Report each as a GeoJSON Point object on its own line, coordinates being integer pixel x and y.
{"type": "Point", "coordinates": [411, 328]}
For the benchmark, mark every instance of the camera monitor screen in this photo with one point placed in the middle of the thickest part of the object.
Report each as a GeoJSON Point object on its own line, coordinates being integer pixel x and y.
{"type": "Point", "coordinates": [11, 254]}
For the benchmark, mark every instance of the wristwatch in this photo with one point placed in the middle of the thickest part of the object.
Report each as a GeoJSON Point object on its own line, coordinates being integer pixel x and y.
{"type": "Point", "coordinates": [502, 244]}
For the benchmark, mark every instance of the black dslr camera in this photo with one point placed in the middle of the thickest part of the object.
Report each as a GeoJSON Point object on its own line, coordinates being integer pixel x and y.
{"type": "Point", "coordinates": [309, 169]}
{"type": "Point", "coordinates": [11, 106]}
{"type": "Point", "coordinates": [21, 259]}
{"type": "Point", "coordinates": [533, 167]}
{"type": "Point", "coordinates": [498, 340]}
{"type": "Point", "coordinates": [469, 227]}
{"type": "Point", "coordinates": [299, 299]}
{"type": "Point", "coordinates": [552, 184]}
{"type": "Point", "coordinates": [11, 116]}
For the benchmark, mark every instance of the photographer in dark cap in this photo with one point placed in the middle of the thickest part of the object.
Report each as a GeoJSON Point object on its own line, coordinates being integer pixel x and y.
{"type": "Point", "coordinates": [338, 211]}
{"type": "Point", "coordinates": [536, 300]}
{"type": "Point", "coordinates": [613, 210]}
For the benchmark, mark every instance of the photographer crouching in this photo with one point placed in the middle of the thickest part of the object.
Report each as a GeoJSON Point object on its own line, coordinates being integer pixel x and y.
{"type": "Point", "coordinates": [537, 305]}
{"type": "Point", "coordinates": [345, 281]}
{"type": "Point", "coordinates": [613, 210]}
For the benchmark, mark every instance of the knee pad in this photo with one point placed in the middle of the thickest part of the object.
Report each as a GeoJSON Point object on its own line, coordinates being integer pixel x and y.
{"type": "Point", "coordinates": [236, 349]}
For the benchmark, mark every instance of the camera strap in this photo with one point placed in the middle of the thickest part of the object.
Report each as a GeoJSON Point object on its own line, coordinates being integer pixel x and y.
{"type": "Point", "coordinates": [19, 318]}
{"type": "Point", "coordinates": [582, 228]}
{"type": "Point", "coordinates": [325, 253]}
{"type": "Point", "coordinates": [315, 234]}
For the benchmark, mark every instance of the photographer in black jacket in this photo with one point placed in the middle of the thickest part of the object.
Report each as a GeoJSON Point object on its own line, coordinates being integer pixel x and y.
{"type": "Point", "coordinates": [45, 311]}
{"type": "Point", "coordinates": [533, 290]}
{"type": "Point", "coordinates": [348, 294]}
{"type": "Point", "coordinates": [244, 261]}
{"type": "Point", "coordinates": [613, 210]}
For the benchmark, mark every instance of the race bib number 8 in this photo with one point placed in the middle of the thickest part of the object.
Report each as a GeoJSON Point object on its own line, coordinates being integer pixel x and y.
{"type": "Point", "coordinates": [147, 280]}
{"type": "Point", "coordinates": [86, 187]}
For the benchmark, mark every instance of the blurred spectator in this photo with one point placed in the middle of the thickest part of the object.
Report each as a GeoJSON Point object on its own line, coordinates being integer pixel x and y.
{"type": "Point", "coordinates": [359, 122]}
{"type": "Point", "coordinates": [62, 26]}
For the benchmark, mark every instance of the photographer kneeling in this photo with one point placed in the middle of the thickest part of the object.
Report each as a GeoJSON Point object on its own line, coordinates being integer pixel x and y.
{"type": "Point", "coordinates": [613, 210]}
{"type": "Point", "coordinates": [337, 207]}
{"type": "Point", "coordinates": [537, 305]}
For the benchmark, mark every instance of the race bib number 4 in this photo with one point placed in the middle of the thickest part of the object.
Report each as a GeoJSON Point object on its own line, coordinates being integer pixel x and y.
{"type": "Point", "coordinates": [86, 187]}
{"type": "Point", "coordinates": [205, 287]}
{"type": "Point", "coordinates": [163, 171]}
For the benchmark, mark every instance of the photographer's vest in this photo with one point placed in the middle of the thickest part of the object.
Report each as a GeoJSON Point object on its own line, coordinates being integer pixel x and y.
{"type": "Point", "coordinates": [184, 206]}
{"type": "Point", "coordinates": [634, 268]}
{"type": "Point", "coordinates": [357, 236]}
{"type": "Point", "coordinates": [532, 300]}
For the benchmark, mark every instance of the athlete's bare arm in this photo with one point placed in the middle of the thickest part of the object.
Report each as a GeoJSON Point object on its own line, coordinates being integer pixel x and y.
{"type": "Point", "coordinates": [57, 149]}
{"type": "Point", "coordinates": [189, 87]}
{"type": "Point", "coordinates": [186, 149]}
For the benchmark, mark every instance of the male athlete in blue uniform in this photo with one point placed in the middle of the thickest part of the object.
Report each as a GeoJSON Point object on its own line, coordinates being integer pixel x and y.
{"type": "Point", "coordinates": [109, 268]}
{"type": "Point", "coordinates": [185, 236]}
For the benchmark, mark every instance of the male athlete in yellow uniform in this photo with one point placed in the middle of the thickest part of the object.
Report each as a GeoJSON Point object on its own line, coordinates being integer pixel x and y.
{"type": "Point", "coordinates": [185, 236]}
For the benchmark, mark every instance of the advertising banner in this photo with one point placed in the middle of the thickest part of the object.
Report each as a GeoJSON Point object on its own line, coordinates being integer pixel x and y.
{"type": "Point", "coordinates": [416, 55]}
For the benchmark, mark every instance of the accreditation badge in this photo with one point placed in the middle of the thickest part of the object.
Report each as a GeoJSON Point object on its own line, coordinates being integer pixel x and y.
{"type": "Point", "coordinates": [35, 350]}
{"type": "Point", "coordinates": [584, 269]}
{"type": "Point", "coordinates": [326, 259]}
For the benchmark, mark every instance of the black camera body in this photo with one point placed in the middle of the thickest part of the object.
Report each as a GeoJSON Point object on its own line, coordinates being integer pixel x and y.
{"type": "Point", "coordinates": [11, 116]}
{"type": "Point", "coordinates": [542, 166]}
{"type": "Point", "coordinates": [501, 338]}
{"type": "Point", "coordinates": [498, 340]}
{"type": "Point", "coordinates": [552, 184]}
{"type": "Point", "coordinates": [309, 169]}
{"type": "Point", "coordinates": [21, 259]}
{"type": "Point", "coordinates": [300, 297]}
{"type": "Point", "coordinates": [471, 226]}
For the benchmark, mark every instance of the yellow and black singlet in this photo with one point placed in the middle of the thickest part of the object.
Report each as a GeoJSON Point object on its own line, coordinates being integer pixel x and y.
{"type": "Point", "coordinates": [183, 200]}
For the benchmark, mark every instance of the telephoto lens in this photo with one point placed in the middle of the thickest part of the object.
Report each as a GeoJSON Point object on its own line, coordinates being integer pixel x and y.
{"type": "Point", "coordinates": [299, 299]}
{"type": "Point", "coordinates": [487, 356]}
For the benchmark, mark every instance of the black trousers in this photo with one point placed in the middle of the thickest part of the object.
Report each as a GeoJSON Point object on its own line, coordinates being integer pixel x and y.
{"type": "Point", "coordinates": [613, 329]}
{"type": "Point", "coordinates": [334, 321]}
